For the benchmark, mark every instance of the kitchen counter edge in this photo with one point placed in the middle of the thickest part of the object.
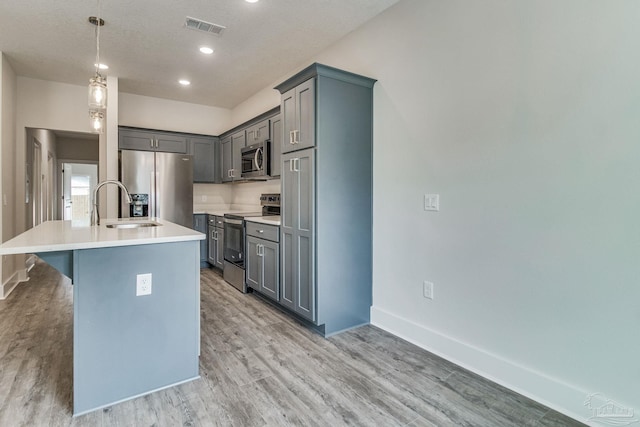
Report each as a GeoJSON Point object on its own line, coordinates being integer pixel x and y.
{"type": "Point", "coordinates": [52, 236]}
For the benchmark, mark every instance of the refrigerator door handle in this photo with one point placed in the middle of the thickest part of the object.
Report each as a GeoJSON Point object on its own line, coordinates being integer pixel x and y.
{"type": "Point", "coordinates": [157, 193]}
{"type": "Point", "coordinates": [152, 195]}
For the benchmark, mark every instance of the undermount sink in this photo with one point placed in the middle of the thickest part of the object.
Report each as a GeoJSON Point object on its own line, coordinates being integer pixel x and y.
{"type": "Point", "coordinates": [132, 224]}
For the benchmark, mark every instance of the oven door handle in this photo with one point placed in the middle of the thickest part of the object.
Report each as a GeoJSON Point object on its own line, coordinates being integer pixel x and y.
{"type": "Point", "coordinates": [233, 221]}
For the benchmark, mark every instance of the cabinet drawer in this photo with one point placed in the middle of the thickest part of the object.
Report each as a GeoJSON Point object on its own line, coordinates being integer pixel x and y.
{"type": "Point", "coordinates": [263, 231]}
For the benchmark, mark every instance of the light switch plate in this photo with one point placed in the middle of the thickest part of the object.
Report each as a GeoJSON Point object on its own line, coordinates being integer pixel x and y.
{"type": "Point", "coordinates": [431, 202]}
{"type": "Point", "coordinates": [143, 284]}
{"type": "Point", "coordinates": [427, 289]}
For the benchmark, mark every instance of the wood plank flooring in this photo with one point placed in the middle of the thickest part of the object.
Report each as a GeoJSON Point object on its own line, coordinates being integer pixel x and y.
{"type": "Point", "coordinates": [259, 367]}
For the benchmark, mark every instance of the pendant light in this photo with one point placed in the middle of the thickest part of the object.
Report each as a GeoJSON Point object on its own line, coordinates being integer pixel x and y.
{"type": "Point", "coordinates": [97, 84]}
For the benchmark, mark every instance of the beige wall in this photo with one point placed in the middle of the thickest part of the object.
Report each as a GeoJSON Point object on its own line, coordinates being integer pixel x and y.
{"type": "Point", "coordinates": [7, 164]}
{"type": "Point", "coordinates": [78, 149]}
{"type": "Point", "coordinates": [523, 117]}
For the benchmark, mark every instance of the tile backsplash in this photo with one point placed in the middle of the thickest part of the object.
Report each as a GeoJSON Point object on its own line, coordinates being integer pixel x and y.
{"type": "Point", "coordinates": [240, 196]}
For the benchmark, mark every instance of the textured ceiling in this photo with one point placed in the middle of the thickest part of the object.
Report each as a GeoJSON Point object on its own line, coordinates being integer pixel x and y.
{"type": "Point", "coordinates": [148, 48]}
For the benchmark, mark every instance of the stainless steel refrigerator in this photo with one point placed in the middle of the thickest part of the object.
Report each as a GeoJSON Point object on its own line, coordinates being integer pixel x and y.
{"type": "Point", "coordinates": [161, 185]}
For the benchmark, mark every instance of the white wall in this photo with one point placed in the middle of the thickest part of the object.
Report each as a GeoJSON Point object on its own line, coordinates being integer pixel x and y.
{"type": "Point", "coordinates": [163, 114]}
{"type": "Point", "coordinates": [45, 105]}
{"type": "Point", "coordinates": [523, 117]}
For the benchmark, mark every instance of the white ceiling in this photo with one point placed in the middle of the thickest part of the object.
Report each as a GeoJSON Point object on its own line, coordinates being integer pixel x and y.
{"type": "Point", "coordinates": [148, 48]}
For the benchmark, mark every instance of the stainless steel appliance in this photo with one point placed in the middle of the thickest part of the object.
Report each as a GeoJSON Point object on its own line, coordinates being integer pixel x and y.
{"type": "Point", "coordinates": [161, 185]}
{"type": "Point", "coordinates": [235, 238]}
{"type": "Point", "coordinates": [256, 161]}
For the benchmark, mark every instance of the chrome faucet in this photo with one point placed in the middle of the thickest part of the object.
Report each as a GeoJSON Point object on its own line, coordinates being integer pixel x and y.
{"type": "Point", "coordinates": [95, 216]}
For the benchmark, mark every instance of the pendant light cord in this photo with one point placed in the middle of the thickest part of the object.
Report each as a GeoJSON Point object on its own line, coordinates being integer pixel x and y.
{"type": "Point", "coordinates": [98, 41]}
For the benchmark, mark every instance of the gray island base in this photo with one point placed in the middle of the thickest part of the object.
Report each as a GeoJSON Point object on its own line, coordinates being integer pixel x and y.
{"type": "Point", "coordinates": [127, 342]}
{"type": "Point", "coordinates": [124, 345]}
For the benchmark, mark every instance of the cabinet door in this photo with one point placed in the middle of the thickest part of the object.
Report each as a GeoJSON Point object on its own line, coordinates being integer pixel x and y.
{"type": "Point", "coordinates": [227, 159]}
{"type": "Point", "coordinates": [304, 233]}
{"type": "Point", "coordinates": [306, 115]}
{"type": "Point", "coordinates": [211, 244]}
{"type": "Point", "coordinates": [200, 224]}
{"type": "Point", "coordinates": [131, 139]}
{"type": "Point", "coordinates": [253, 263]}
{"type": "Point", "coordinates": [220, 248]}
{"type": "Point", "coordinates": [258, 132]}
{"type": "Point", "coordinates": [289, 126]}
{"type": "Point", "coordinates": [276, 144]}
{"type": "Point", "coordinates": [238, 143]}
{"type": "Point", "coordinates": [288, 196]}
{"type": "Point", "coordinates": [203, 151]}
{"type": "Point", "coordinates": [171, 143]}
{"type": "Point", "coordinates": [270, 285]}
{"type": "Point", "coordinates": [297, 255]}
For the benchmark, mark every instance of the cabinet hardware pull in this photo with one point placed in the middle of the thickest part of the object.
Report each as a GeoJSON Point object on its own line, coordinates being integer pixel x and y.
{"type": "Point", "coordinates": [151, 142]}
{"type": "Point", "coordinates": [297, 136]}
{"type": "Point", "coordinates": [260, 231]}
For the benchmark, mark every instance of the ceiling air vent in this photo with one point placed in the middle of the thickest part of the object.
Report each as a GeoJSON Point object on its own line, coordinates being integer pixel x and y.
{"type": "Point", "coordinates": [207, 27]}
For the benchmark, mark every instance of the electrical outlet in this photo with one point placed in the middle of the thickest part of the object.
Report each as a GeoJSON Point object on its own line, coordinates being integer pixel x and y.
{"type": "Point", "coordinates": [427, 289]}
{"type": "Point", "coordinates": [143, 284]}
{"type": "Point", "coordinates": [431, 202]}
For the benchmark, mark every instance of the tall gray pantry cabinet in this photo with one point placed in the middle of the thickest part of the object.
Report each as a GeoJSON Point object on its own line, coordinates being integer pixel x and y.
{"type": "Point", "coordinates": [326, 197]}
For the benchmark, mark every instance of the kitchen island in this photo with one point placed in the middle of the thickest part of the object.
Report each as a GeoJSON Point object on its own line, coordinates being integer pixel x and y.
{"type": "Point", "coordinates": [125, 345]}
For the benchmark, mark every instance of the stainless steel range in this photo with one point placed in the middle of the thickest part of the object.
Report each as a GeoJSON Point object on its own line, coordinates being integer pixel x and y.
{"type": "Point", "coordinates": [235, 238]}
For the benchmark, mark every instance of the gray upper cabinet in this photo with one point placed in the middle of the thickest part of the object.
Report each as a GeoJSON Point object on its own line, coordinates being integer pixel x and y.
{"type": "Point", "coordinates": [227, 158]}
{"type": "Point", "coordinates": [147, 140]}
{"type": "Point", "coordinates": [276, 145]}
{"type": "Point", "coordinates": [258, 132]}
{"type": "Point", "coordinates": [203, 150]}
{"type": "Point", "coordinates": [326, 197]}
{"type": "Point", "coordinates": [298, 115]}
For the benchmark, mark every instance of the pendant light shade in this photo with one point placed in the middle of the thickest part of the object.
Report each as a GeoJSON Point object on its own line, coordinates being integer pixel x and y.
{"type": "Point", "coordinates": [97, 92]}
{"type": "Point", "coordinates": [97, 84]}
{"type": "Point", "coordinates": [97, 120]}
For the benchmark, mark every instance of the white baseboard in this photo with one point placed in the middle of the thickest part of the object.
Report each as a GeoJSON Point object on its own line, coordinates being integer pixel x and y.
{"type": "Point", "coordinates": [13, 281]}
{"type": "Point", "coordinates": [562, 397]}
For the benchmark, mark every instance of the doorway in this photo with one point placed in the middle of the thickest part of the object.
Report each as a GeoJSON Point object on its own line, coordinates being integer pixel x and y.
{"type": "Point", "coordinates": [78, 183]}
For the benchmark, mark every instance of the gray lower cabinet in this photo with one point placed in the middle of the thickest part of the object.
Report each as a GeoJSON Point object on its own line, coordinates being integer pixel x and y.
{"type": "Point", "coordinates": [215, 241]}
{"type": "Point", "coordinates": [200, 224]}
{"type": "Point", "coordinates": [326, 197]}
{"type": "Point", "coordinates": [203, 150]}
{"type": "Point", "coordinates": [297, 230]}
{"type": "Point", "coordinates": [262, 259]}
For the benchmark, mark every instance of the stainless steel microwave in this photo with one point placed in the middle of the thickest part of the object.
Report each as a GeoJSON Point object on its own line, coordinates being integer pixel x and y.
{"type": "Point", "coordinates": [256, 160]}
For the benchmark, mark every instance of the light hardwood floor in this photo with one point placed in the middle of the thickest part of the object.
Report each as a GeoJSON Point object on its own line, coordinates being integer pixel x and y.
{"type": "Point", "coordinates": [259, 367]}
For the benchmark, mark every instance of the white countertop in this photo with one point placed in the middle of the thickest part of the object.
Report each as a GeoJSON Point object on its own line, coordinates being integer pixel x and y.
{"type": "Point", "coordinates": [221, 212]}
{"type": "Point", "coordinates": [270, 220]}
{"type": "Point", "coordinates": [51, 236]}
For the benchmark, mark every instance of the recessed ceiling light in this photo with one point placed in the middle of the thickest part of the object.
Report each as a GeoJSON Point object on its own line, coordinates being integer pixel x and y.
{"type": "Point", "coordinates": [184, 82]}
{"type": "Point", "coordinates": [251, 1]}
{"type": "Point", "coordinates": [102, 66]}
{"type": "Point", "coordinates": [206, 50]}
